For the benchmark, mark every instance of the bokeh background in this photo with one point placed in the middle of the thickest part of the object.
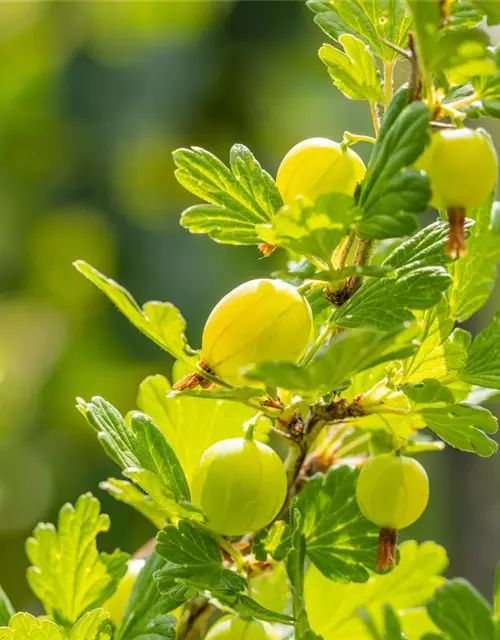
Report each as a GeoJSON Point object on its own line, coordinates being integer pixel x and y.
{"type": "Point", "coordinates": [94, 96]}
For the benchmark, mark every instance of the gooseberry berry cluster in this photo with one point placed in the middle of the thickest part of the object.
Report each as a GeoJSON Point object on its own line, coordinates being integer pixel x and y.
{"type": "Point", "coordinates": [280, 465]}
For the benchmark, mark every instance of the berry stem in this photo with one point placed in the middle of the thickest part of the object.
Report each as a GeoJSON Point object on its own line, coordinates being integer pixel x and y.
{"type": "Point", "coordinates": [455, 247]}
{"type": "Point", "coordinates": [386, 553]}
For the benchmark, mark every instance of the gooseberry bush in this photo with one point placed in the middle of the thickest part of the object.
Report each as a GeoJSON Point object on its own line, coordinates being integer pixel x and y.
{"type": "Point", "coordinates": [278, 462]}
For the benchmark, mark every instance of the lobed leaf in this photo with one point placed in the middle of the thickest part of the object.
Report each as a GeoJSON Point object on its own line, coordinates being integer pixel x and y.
{"type": "Point", "coordinates": [345, 355]}
{"type": "Point", "coordinates": [461, 612]}
{"type": "Point", "coordinates": [145, 617]}
{"type": "Point", "coordinates": [23, 626]}
{"type": "Point", "coordinates": [312, 229]}
{"type": "Point", "coordinates": [463, 426]}
{"type": "Point", "coordinates": [126, 492]}
{"type": "Point", "coordinates": [239, 197]}
{"type": "Point", "coordinates": [161, 322]}
{"type": "Point", "coordinates": [483, 362]}
{"type": "Point", "coordinates": [140, 449]}
{"type": "Point", "coordinates": [94, 625]}
{"type": "Point", "coordinates": [390, 188]}
{"type": "Point", "coordinates": [353, 72]}
{"type": "Point", "coordinates": [67, 573]}
{"type": "Point", "coordinates": [407, 586]}
{"type": "Point", "coordinates": [374, 21]}
{"type": "Point", "coordinates": [339, 540]}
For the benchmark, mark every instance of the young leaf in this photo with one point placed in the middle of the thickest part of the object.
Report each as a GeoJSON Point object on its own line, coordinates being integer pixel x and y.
{"type": "Point", "coordinates": [145, 616]}
{"type": "Point", "coordinates": [312, 229]}
{"type": "Point", "coordinates": [373, 22]}
{"type": "Point", "coordinates": [239, 197]}
{"type": "Point", "coordinates": [6, 608]}
{"type": "Point", "coordinates": [94, 625]}
{"type": "Point", "coordinates": [483, 363]}
{"type": "Point", "coordinates": [491, 9]}
{"type": "Point", "coordinates": [339, 540]}
{"type": "Point", "coordinates": [161, 322]}
{"type": "Point", "coordinates": [353, 72]}
{"type": "Point", "coordinates": [140, 446]}
{"type": "Point", "coordinates": [390, 188]}
{"type": "Point", "coordinates": [461, 612]}
{"type": "Point", "coordinates": [194, 559]}
{"type": "Point", "coordinates": [24, 626]}
{"type": "Point", "coordinates": [409, 585]}
{"type": "Point", "coordinates": [126, 492]}
{"type": "Point", "coordinates": [345, 355]}
{"type": "Point", "coordinates": [441, 354]}
{"type": "Point", "coordinates": [463, 426]}
{"type": "Point", "coordinates": [68, 574]}
{"type": "Point", "coordinates": [179, 419]}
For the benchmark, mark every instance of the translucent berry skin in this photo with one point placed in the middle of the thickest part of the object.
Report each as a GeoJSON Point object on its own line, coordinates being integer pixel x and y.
{"type": "Point", "coordinates": [259, 320]}
{"type": "Point", "coordinates": [318, 166]}
{"type": "Point", "coordinates": [462, 166]}
{"type": "Point", "coordinates": [240, 485]}
{"type": "Point", "coordinates": [117, 604]}
{"type": "Point", "coordinates": [392, 491]}
{"type": "Point", "coordinates": [233, 628]}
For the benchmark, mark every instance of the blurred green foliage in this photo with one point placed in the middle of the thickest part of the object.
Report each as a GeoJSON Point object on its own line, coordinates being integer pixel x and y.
{"type": "Point", "coordinates": [94, 96]}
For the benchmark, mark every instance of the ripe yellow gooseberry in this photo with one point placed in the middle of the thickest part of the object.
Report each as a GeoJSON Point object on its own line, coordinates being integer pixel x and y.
{"type": "Point", "coordinates": [462, 166]}
{"type": "Point", "coordinates": [240, 485]}
{"type": "Point", "coordinates": [392, 491]}
{"type": "Point", "coordinates": [117, 604]}
{"type": "Point", "coordinates": [259, 320]}
{"type": "Point", "coordinates": [234, 628]}
{"type": "Point", "coordinates": [318, 166]}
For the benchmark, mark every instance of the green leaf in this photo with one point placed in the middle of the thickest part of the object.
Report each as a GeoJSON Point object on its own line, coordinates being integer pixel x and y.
{"type": "Point", "coordinates": [442, 352]}
{"type": "Point", "coordinates": [94, 625]}
{"type": "Point", "coordinates": [373, 22]}
{"type": "Point", "coordinates": [392, 626]}
{"type": "Point", "coordinates": [138, 446]}
{"type": "Point", "coordinates": [246, 606]}
{"type": "Point", "coordinates": [428, 391]}
{"type": "Point", "coordinates": [194, 559]}
{"type": "Point", "coordinates": [274, 541]}
{"type": "Point", "coordinates": [390, 188]}
{"type": "Point", "coordinates": [462, 52]}
{"type": "Point", "coordinates": [6, 608]}
{"type": "Point", "coordinates": [474, 276]}
{"type": "Point", "coordinates": [461, 612]}
{"type": "Point", "coordinates": [239, 197]}
{"type": "Point", "coordinates": [295, 568]}
{"type": "Point", "coordinates": [179, 419]}
{"type": "Point", "coordinates": [346, 354]}
{"type": "Point", "coordinates": [463, 426]}
{"type": "Point", "coordinates": [491, 9]}
{"type": "Point", "coordinates": [161, 322]}
{"type": "Point", "coordinates": [420, 280]}
{"type": "Point", "coordinates": [312, 229]}
{"type": "Point", "coordinates": [126, 492]}
{"type": "Point", "coordinates": [409, 585]}
{"type": "Point", "coordinates": [353, 72]}
{"type": "Point", "coordinates": [68, 574]}
{"type": "Point", "coordinates": [24, 626]}
{"type": "Point", "coordinates": [145, 616]}
{"type": "Point", "coordinates": [388, 225]}
{"type": "Point", "coordinates": [339, 540]}
{"type": "Point", "coordinates": [483, 363]}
